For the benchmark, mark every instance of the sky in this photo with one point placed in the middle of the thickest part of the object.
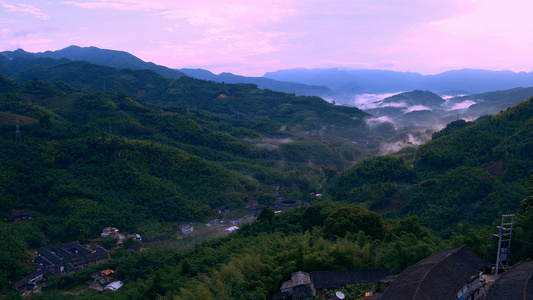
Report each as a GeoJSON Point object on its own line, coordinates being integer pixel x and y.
{"type": "Point", "coordinates": [254, 37]}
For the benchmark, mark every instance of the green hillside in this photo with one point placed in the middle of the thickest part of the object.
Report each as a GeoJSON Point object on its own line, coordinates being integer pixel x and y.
{"type": "Point", "coordinates": [495, 102]}
{"type": "Point", "coordinates": [145, 153]}
{"type": "Point", "coordinates": [469, 173]}
{"type": "Point", "coordinates": [84, 161]}
{"type": "Point", "coordinates": [242, 104]}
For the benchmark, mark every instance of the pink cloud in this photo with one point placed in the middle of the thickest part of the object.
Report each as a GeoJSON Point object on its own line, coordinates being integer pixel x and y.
{"type": "Point", "coordinates": [485, 34]}
{"type": "Point", "coordinates": [252, 37]}
{"type": "Point", "coordinates": [231, 30]}
{"type": "Point", "coordinates": [28, 39]}
{"type": "Point", "coordinates": [119, 4]}
{"type": "Point", "coordinates": [24, 9]}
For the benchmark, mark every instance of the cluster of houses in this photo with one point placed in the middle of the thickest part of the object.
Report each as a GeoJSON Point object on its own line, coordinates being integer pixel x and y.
{"type": "Point", "coordinates": [452, 274]}
{"type": "Point", "coordinates": [359, 142]}
{"type": "Point", "coordinates": [254, 208]}
{"type": "Point", "coordinates": [21, 216]}
{"type": "Point", "coordinates": [104, 281]}
{"type": "Point", "coordinates": [59, 259]}
{"type": "Point", "coordinates": [67, 258]}
{"type": "Point", "coordinates": [115, 233]}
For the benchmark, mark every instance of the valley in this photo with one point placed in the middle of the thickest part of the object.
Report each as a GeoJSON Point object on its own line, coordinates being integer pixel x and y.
{"type": "Point", "coordinates": [86, 145]}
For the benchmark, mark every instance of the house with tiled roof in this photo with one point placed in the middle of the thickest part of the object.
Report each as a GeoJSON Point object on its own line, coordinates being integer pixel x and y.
{"type": "Point", "coordinates": [448, 274]}
{"type": "Point", "coordinates": [303, 285]}
{"type": "Point", "coordinates": [299, 287]}
{"type": "Point", "coordinates": [514, 284]}
{"type": "Point", "coordinates": [68, 257]}
{"type": "Point", "coordinates": [29, 281]}
{"type": "Point", "coordinates": [338, 279]}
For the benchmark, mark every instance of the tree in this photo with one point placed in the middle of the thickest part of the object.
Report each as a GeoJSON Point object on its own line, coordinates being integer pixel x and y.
{"type": "Point", "coordinates": [353, 219]}
{"type": "Point", "coordinates": [313, 216]}
{"type": "Point", "coordinates": [409, 224]}
{"type": "Point", "coordinates": [266, 215]}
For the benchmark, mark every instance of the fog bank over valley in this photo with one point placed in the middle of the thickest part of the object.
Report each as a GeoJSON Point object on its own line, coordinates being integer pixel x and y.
{"type": "Point", "coordinates": [415, 115]}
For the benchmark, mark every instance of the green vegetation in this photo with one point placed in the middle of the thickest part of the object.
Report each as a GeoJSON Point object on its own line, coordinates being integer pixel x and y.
{"type": "Point", "coordinates": [252, 262]}
{"type": "Point", "coordinates": [470, 173]}
{"type": "Point", "coordinates": [145, 161]}
{"type": "Point", "coordinates": [85, 161]}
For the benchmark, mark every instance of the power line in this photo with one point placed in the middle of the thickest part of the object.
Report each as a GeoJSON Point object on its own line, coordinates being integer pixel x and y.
{"type": "Point", "coordinates": [132, 277]}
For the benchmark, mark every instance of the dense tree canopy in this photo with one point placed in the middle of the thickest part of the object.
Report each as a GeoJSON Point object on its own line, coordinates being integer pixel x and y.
{"type": "Point", "coordinates": [156, 152]}
{"type": "Point", "coordinates": [353, 219]}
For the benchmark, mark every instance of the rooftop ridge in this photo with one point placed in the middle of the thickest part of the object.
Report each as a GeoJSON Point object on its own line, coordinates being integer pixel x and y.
{"type": "Point", "coordinates": [431, 269]}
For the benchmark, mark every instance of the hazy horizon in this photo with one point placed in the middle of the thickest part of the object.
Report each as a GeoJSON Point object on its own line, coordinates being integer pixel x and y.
{"type": "Point", "coordinates": [250, 39]}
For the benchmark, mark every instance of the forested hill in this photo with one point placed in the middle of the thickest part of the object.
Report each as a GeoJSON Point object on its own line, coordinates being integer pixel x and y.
{"type": "Point", "coordinates": [95, 157]}
{"type": "Point", "coordinates": [85, 147]}
{"type": "Point", "coordinates": [102, 57]}
{"type": "Point", "coordinates": [80, 161]}
{"type": "Point", "coordinates": [86, 159]}
{"type": "Point", "coordinates": [243, 102]}
{"type": "Point", "coordinates": [124, 60]}
{"type": "Point", "coordinates": [471, 172]}
{"type": "Point", "coordinates": [504, 139]}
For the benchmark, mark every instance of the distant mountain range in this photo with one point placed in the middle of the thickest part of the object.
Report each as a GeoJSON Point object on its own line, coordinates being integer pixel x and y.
{"type": "Point", "coordinates": [469, 93]}
{"type": "Point", "coordinates": [296, 88]}
{"type": "Point", "coordinates": [97, 56]}
{"type": "Point", "coordinates": [356, 82]}
{"type": "Point", "coordinates": [124, 60]}
{"type": "Point", "coordinates": [339, 85]}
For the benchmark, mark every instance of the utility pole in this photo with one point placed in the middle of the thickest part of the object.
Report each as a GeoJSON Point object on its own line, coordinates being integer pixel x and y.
{"type": "Point", "coordinates": [504, 243]}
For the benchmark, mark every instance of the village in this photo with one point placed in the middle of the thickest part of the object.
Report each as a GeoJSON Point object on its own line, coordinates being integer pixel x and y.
{"type": "Point", "coordinates": [455, 273]}
{"type": "Point", "coordinates": [70, 257]}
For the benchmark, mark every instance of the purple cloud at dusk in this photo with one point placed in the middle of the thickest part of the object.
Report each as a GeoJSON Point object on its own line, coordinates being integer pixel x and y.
{"type": "Point", "coordinates": [251, 38]}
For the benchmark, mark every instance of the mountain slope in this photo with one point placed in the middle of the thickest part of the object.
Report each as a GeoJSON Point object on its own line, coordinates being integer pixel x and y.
{"type": "Point", "coordinates": [494, 102]}
{"type": "Point", "coordinates": [95, 145]}
{"type": "Point", "coordinates": [124, 60]}
{"type": "Point", "coordinates": [81, 162]}
{"type": "Point", "coordinates": [245, 104]}
{"type": "Point", "coordinates": [470, 173]}
{"type": "Point", "coordinates": [109, 58]}
{"type": "Point", "coordinates": [413, 108]}
{"type": "Point", "coordinates": [503, 137]}
{"type": "Point", "coordinates": [263, 83]}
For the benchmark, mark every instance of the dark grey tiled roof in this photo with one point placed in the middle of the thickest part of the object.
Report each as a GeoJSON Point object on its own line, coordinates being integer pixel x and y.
{"type": "Point", "coordinates": [515, 283]}
{"type": "Point", "coordinates": [439, 276]}
{"type": "Point", "coordinates": [337, 279]}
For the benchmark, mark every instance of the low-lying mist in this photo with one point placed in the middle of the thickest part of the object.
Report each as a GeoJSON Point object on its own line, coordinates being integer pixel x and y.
{"type": "Point", "coordinates": [403, 136]}
{"type": "Point", "coordinates": [414, 116]}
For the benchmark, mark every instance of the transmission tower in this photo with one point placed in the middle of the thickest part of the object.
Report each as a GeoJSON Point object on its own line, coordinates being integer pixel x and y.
{"type": "Point", "coordinates": [18, 139]}
{"type": "Point", "coordinates": [504, 235]}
